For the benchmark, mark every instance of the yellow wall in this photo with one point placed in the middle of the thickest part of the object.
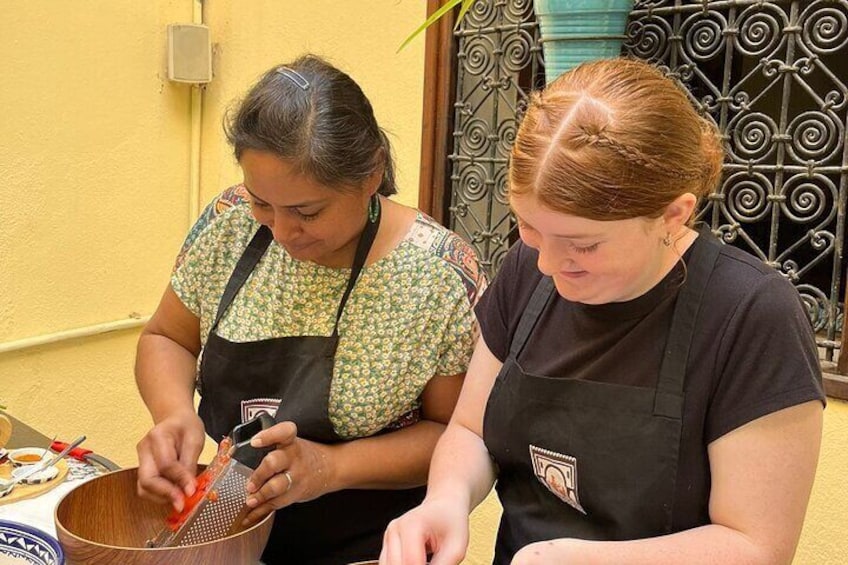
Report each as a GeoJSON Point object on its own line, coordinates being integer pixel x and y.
{"type": "Point", "coordinates": [359, 37]}
{"type": "Point", "coordinates": [825, 536]}
{"type": "Point", "coordinates": [95, 163]}
{"type": "Point", "coordinates": [94, 152]}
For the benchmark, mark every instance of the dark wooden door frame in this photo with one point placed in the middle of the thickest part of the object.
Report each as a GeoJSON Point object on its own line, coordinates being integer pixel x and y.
{"type": "Point", "coordinates": [437, 123]}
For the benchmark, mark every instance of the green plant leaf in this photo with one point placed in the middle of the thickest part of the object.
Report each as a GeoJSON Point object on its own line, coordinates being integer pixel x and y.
{"type": "Point", "coordinates": [444, 9]}
{"type": "Point", "coordinates": [466, 5]}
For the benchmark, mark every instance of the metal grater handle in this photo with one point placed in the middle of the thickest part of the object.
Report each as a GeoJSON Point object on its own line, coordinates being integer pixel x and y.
{"type": "Point", "coordinates": [241, 435]}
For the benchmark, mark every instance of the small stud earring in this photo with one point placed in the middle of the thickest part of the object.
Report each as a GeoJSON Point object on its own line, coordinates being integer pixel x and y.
{"type": "Point", "coordinates": [667, 240]}
{"type": "Point", "coordinates": [374, 208]}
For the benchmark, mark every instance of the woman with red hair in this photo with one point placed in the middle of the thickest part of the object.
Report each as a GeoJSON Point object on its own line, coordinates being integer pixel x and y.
{"type": "Point", "coordinates": [629, 393]}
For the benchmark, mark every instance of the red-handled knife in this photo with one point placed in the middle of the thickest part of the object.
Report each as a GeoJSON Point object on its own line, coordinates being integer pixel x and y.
{"type": "Point", "coordinates": [85, 455]}
{"type": "Point", "coordinates": [77, 453]}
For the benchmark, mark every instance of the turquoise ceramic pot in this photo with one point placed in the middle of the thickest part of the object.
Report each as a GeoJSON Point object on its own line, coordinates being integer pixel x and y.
{"type": "Point", "coordinates": [574, 31]}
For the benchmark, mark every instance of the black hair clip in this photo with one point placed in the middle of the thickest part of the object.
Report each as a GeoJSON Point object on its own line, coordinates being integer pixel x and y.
{"type": "Point", "coordinates": [294, 76]}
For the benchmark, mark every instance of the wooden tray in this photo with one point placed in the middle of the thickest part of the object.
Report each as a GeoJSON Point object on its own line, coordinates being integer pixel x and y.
{"type": "Point", "coordinates": [22, 491]}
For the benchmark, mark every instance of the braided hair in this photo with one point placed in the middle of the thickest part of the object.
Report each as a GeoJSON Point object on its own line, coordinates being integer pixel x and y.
{"type": "Point", "coordinates": [614, 139]}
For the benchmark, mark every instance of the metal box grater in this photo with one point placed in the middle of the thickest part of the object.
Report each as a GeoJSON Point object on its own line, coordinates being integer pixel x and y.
{"type": "Point", "coordinates": [221, 507]}
{"type": "Point", "coordinates": [216, 519]}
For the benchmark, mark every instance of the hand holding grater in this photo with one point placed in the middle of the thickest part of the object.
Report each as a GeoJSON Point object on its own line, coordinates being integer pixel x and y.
{"type": "Point", "coordinates": [217, 507]}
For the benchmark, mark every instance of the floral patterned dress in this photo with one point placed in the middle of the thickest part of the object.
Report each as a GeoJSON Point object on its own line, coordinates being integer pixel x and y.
{"type": "Point", "coordinates": [409, 318]}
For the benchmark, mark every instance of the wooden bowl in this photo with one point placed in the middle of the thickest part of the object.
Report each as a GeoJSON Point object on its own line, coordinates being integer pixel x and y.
{"type": "Point", "coordinates": [104, 521]}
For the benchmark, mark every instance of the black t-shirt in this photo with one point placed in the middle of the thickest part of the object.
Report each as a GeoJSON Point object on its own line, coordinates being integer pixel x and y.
{"type": "Point", "coordinates": [753, 350]}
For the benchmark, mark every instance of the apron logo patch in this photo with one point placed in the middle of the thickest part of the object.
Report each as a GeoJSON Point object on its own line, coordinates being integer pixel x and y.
{"type": "Point", "coordinates": [558, 473]}
{"type": "Point", "coordinates": [251, 408]}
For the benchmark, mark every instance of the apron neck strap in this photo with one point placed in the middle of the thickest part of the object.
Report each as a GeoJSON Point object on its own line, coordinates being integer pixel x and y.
{"type": "Point", "coordinates": [668, 401]}
{"type": "Point", "coordinates": [248, 261]}
{"type": "Point", "coordinates": [541, 295]}
{"type": "Point", "coordinates": [366, 240]}
{"type": "Point", "coordinates": [259, 244]}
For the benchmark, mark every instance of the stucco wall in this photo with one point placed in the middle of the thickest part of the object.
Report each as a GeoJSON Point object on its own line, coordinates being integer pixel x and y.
{"type": "Point", "coordinates": [360, 37]}
{"type": "Point", "coordinates": [95, 161]}
{"type": "Point", "coordinates": [94, 149]}
{"type": "Point", "coordinates": [825, 536]}
{"type": "Point", "coordinates": [95, 143]}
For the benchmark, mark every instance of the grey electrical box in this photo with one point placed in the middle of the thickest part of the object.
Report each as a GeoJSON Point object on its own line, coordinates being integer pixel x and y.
{"type": "Point", "coordinates": [189, 53]}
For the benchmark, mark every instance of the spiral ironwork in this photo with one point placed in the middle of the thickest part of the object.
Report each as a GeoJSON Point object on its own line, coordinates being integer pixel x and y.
{"type": "Point", "coordinates": [499, 63]}
{"type": "Point", "coordinates": [769, 73]}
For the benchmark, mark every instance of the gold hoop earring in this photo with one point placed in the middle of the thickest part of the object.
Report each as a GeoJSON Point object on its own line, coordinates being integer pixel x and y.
{"type": "Point", "coordinates": [667, 240]}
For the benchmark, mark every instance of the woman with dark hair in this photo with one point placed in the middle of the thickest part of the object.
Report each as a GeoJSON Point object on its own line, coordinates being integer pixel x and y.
{"type": "Point", "coordinates": [307, 293]}
{"type": "Point", "coordinates": [629, 393]}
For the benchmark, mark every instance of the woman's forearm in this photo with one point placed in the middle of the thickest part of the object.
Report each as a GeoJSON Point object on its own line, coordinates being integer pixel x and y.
{"type": "Point", "coordinates": [165, 375]}
{"type": "Point", "coordinates": [401, 459]}
{"type": "Point", "coordinates": [706, 545]}
{"type": "Point", "coordinates": [394, 460]}
{"type": "Point", "coordinates": [461, 469]}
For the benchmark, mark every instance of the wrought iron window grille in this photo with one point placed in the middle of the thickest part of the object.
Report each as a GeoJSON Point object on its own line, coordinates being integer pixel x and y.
{"type": "Point", "coordinates": [771, 74]}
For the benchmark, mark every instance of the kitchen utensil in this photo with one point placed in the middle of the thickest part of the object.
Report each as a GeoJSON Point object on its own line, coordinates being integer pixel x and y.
{"type": "Point", "coordinates": [85, 455]}
{"type": "Point", "coordinates": [217, 507]}
{"type": "Point", "coordinates": [104, 521]}
{"type": "Point", "coordinates": [7, 486]}
{"type": "Point", "coordinates": [77, 453]}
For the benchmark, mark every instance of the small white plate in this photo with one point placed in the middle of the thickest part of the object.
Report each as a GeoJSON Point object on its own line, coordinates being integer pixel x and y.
{"type": "Point", "coordinates": [36, 478]}
{"type": "Point", "coordinates": [28, 456]}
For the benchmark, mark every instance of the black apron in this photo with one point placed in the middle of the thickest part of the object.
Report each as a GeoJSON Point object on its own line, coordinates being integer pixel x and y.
{"type": "Point", "coordinates": [239, 379]}
{"type": "Point", "coordinates": [585, 459]}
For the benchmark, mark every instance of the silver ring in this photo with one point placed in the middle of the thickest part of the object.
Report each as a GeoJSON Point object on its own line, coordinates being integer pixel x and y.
{"type": "Point", "coordinates": [291, 481]}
